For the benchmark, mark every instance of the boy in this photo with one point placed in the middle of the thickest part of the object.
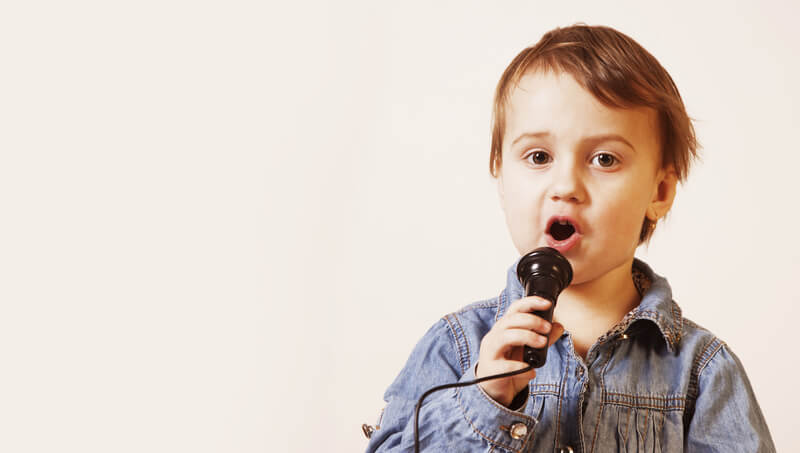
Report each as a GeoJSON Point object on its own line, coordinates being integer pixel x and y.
{"type": "Point", "coordinates": [590, 139]}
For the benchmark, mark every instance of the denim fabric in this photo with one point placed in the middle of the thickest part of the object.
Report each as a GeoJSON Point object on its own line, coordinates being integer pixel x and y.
{"type": "Point", "coordinates": [656, 382]}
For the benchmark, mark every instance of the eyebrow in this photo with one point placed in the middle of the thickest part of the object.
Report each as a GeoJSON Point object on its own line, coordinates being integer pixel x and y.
{"type": "Point", "coordinates": [590, 139]}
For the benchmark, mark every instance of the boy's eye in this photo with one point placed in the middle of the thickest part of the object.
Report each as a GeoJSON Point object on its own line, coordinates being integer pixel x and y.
{"type": "Point", "coordinates": [604, 160]}
{"type": "Point", "coordinates": [538, 157]}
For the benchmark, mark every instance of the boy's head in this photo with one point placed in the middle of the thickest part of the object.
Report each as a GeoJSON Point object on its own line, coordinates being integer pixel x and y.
{"type": "Point", "coordinates": [620, 74]}
{"type": "Point", "coordinates": [590, 138]}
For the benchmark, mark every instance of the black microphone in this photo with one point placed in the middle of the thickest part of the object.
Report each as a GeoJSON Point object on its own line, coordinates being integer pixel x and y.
{"type": "Point", "coordinates": [543, 272]}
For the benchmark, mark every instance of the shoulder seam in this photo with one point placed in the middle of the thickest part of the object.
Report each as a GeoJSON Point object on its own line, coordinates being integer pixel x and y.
{"type": "Point", "coordinates": [461, 345]}
{"type": "Point", "coordinates": [711, 352]}
{"type": "Point", "coordinates": [700, 362]}
{"type": "Point", "coordinates": [457, 330]}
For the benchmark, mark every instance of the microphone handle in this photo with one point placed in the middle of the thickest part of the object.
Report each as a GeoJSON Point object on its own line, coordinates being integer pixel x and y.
{"type": "Point", "coordinates": [536, 357]}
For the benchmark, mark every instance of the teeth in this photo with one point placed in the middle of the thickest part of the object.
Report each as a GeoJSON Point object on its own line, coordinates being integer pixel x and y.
{"type": "Point", "coordinates": [563, 222]}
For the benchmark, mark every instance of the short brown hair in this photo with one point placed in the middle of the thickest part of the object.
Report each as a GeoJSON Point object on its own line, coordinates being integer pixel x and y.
{"type": "Point", "coordinates": [620, 73]}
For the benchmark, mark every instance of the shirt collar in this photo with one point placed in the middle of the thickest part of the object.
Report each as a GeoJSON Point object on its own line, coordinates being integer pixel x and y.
{"type": "Point", "coordinates": [656, 307]}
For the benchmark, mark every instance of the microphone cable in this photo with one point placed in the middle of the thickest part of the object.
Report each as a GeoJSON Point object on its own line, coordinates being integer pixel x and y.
{"type": "Point", "coordinates": [457, 384]}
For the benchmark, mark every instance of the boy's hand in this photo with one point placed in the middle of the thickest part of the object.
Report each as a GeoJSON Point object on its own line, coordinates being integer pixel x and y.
{"type": "Point", "coordinates": [501, 347]}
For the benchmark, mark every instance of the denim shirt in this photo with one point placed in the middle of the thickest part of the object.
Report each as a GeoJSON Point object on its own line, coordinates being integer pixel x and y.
{"type": "Point", "coordinates": [656, 382]}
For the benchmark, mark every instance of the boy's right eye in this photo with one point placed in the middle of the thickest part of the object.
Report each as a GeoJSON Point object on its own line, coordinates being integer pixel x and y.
{"type": "Point", "coordinates": [538, 158]}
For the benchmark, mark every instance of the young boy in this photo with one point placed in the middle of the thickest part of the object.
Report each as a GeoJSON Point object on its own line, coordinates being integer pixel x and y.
{"type": "Point", "coordinates": [590, 139]}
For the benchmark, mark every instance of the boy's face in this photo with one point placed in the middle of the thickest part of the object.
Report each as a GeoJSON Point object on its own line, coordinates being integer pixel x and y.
{"type": "Point", "coordinates": [556, 166]}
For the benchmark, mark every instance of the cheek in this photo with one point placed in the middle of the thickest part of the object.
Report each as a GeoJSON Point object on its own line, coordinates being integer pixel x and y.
{"type": "Point", "coordinates": [522, 200]}
{"type": "Point", "coordinates": [522, 207]}
{"type": "Point", "coordinates": [625, 215]}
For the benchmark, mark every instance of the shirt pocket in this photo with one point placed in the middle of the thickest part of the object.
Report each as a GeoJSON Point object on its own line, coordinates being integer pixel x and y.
{"type": "Point", "coordinates": [642, 423]}
{"type": "Point", "coordinates": [543, 407]}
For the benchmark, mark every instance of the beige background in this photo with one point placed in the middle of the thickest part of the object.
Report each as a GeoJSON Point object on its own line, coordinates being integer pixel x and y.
{"type": "Point", "coordinates": [224, 225]}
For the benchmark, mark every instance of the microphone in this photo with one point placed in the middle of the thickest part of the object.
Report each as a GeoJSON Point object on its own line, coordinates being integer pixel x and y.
{"type": "Point", "coordinates": [543, 272]}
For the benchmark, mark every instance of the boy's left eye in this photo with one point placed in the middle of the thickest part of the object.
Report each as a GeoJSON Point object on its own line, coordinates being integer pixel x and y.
{"type": "Point", "coordinates": [604, 160]}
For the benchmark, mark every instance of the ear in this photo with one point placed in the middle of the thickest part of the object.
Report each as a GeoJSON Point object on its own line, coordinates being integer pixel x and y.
{"type": "Point", "coordinates": [663, 193]}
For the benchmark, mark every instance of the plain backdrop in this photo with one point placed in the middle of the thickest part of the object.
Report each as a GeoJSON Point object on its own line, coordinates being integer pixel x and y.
{"type": "Point", "coordinates": [224, 225]}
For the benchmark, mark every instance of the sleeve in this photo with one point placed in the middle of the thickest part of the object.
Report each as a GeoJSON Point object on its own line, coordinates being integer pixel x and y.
{"type": "Point", "coordinates": [727, 417]}
{"type": "Point", "coordinates": [451, 420]}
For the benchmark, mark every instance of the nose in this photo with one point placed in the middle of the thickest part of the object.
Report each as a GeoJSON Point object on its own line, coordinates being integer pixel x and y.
{"type": "Point", "coordinates": [567, 183]}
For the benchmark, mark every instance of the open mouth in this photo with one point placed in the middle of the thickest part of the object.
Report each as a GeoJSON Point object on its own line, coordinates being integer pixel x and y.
{"type": "Point", "coordinates": [561, 230]}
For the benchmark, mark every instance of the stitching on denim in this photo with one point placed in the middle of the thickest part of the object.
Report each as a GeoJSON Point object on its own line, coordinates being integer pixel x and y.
{"type": "Point", "coordinates": [666, 403]}
{"type": "Point", "coordinates": [453, 339]}
{"type": "Point", "coordinates": [677, 325]}
{"type": "Point", "coordinates": [500, 304]}
{"type": "Point", "coordinates": [692, 388]}
{"type": "Point", "coordinates": [488, 303]}
{"type": "Point", "coordinates": [666, 329]}
{"type": "Point", "coordinates": [558, 411]}
{"type": "Point", "coordinates": [694, 377]}
{"type": "Point", "coordinates": [501, 407]}
{"type": "Point", "coordinates": [706, 354]}
{"type": "Point", "coordinates": [457, 337]}
{"type": "Point", "coordinates": [474, 428]}
{"type": "Point", "coordinates": [544, 392]}
{"type": "Point", "coordinates": [544, 385]}
{"type": "Point", "coordinates": [632, 395]}
{"type": "Point", "coordinates": [602, 398]}
{"type": "Point", "coordinates": [644, 406]}
{"type": "Point", "coordinates": [628, 425]}
{"type": "Point", "coordinates": [644, 427]}
{"type": "Point", "coordinates": [466, 342]}
{"type": "Point", "coordinates": [717, 345]}
{"type": "Point", "coordinates": [543, 389]}
{"type": "Point", "coordinates": [638, 314]}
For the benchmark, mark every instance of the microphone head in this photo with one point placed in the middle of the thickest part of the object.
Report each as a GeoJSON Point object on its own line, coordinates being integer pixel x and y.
{"type": "Point", "coordinates": [544, 272]}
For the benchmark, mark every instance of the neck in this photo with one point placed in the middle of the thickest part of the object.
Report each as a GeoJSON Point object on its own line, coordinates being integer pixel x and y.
{"type": "Point", "coordinates": [590, 309]}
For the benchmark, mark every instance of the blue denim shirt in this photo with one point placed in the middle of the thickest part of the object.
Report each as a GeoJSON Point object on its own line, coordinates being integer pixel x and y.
{"type": "Point", "coordinates": [656, 382]}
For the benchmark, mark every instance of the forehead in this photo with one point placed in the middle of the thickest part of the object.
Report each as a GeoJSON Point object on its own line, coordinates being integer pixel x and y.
{"type": "Point", "coordinates": [557, 103]}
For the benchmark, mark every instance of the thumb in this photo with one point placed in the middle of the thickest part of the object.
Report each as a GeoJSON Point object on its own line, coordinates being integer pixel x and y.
{"type": "Point", "coordinates": [555, 333]}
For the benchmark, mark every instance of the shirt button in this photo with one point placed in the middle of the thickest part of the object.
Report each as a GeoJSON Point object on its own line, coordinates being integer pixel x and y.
{"type": "Point", "coordinates": [518, 430]}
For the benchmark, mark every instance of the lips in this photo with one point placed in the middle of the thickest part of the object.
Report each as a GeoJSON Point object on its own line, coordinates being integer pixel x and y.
{"type": "Point", "coordinates": [563, 233]}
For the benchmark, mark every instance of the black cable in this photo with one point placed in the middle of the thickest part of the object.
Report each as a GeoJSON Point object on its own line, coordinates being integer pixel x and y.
{"type": "Point", "coordinates": [457, 384]}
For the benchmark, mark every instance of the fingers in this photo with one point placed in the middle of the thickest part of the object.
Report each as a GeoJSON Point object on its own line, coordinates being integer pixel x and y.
{"type": "Point", "coordinates": [520, 315]}
{"type": "Point", "coordinates": [528, 304]}
{"type": "Point", "coordinates": [504, 344]}
{"type": "Point", "coordinates": [525, 321]}
{"type": "Point", "coordinates": [523, 337]}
